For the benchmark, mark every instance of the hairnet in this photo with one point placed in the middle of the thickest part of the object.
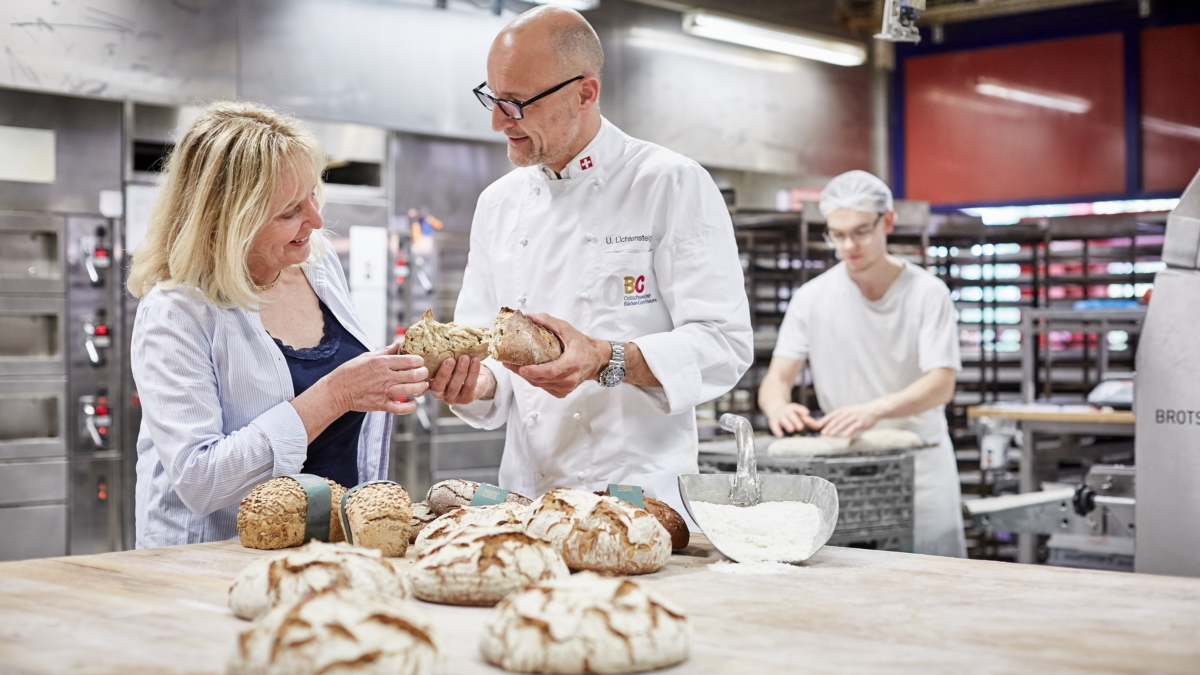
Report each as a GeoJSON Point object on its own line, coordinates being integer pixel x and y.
{"type": "Point", "coordinates": [856, 190]}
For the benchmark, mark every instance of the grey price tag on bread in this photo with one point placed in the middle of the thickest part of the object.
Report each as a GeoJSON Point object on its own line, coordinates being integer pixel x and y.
{"type": "Point", "coordinates": [486, 495]}
{"type": "Point", "coordinates": [346, 498]}
{"type": "Point", "coordinates": [320, 505]}
{"type": "Point", "coordinates": [628, 493]}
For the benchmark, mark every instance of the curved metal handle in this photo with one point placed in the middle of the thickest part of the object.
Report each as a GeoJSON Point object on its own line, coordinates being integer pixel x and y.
{"type": "Point", "coordinates": [746, 490]}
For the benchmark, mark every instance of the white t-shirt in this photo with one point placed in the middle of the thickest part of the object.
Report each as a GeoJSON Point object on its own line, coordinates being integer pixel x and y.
{"type": "Point", "coordinates": [860, 350]}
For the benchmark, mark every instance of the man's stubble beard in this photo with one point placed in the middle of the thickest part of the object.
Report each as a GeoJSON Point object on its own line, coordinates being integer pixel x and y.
{"type": "Point", "coordinates": [543, 155]}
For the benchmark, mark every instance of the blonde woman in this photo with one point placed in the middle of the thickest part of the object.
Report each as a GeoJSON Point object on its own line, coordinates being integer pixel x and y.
{"type": "Point", "coordinates": [248, 357]}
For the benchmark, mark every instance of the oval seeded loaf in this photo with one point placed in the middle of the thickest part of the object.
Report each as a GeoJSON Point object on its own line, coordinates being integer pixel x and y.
{"type": "Point", "coordinates": [338, 631]}
{"type": "Point", "coordinates": [437, 342]}
{"type": "Point", "coordinates": [601, 534]}
{"type": "Point", "coordinates": [482, 565]}
{"type": "Point", "coordinates": [421, 516]}
{"type": "Point", "coordinates": [379, 516]}
{"type": "Point", "coordinates": [669, 518]}
{"type": "Point", "coordinates": [316, 566]}
{"type": "Point", "coordinates": [518, 341]}
{"type": "Point", "coordinates": [449, 525]}
{"type": "Point", "coordinates": [585, 624]}
{"type": "Point", "coordinates": [274, 514]}
{"type": "Point", "coordinates": [456, 493]}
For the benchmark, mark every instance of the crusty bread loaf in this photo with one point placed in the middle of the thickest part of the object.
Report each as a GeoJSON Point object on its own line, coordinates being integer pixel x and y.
{"type": "Point", "coordinates": [601, 534]}
{"type": "Point", "coordinates": [669, 518]}
{"type": "Point", "coordinates": [421, 516]}
{"type": "Point", "coordinates": [456, 493]}
{"type": "Point", "coordinates": [338, 631]}
{"type": "Point", "coordinates": [585, 624]}
{"type": "Point", "coordinates": [379, 516]}
{"type": "Point", "coordinates": [273, 515]}
{"type": "Point", "coordinates": [444, 527]}
{"type": "Point", "coordinates": [436, 342]}
{"type": "Point", "coordinates": [286, 577]}
{"type": "Point", "coordinates": [518, 341]}
{"type": "Point", "coordinates": [483, 565]}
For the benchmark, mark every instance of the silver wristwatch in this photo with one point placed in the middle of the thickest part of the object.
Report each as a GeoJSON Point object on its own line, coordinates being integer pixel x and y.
{"type": "Point", "coordinates": [612, 374]}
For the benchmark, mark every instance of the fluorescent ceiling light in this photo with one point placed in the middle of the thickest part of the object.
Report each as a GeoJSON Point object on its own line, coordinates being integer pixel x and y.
{"type": "Point", "coordinates": [674, 43]}
{"type": "Point", "coordinates": [1009, 215]}
{"type": "Point", "coordinates": [577, 5]}
{"type": "Point", "coordinates": [1170, 128]}
{"type": "Point", "coordinates": [1042, 99]}
{"type": "Point", "coordinates": [768, 38]}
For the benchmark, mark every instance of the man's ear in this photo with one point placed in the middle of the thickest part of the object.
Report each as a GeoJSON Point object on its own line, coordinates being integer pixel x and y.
{"type": "Point", "coordinates": [889, 222]}
{"type": "Point", "coordinates": [589, 92]}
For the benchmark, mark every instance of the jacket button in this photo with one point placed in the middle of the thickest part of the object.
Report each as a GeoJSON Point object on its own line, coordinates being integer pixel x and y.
{"type": "Point", "coordinates": [599, 182]}
{"type": "Point", "coordinates": [533, 416]}
{"type": "Point", "coordinates": [577, 416]}
{"type": "Point", "coordinates": [524, 242]}
{"type": "Point", "coordinates": [580, 476]}
{"type": "Point", "coordinates": [590, 237]}
{"type": "Point", "coordinates": [584, 296]}
{"type": "Point", "coordinates": [539, 475]}
{"type": "Point", "coordinates": [521, 299]}
{"type": "Point", "coordinates": [537, 190]}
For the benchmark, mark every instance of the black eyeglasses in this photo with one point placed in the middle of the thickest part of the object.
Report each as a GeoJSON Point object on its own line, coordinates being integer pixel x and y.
{"type": "Point", "coordinates": [514, 109]}
{"type": "Point", "coordinates": [860, 236]}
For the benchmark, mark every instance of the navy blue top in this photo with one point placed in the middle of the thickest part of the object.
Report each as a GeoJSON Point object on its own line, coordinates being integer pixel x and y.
{"type": "Point", "coordinates": [334, 453]}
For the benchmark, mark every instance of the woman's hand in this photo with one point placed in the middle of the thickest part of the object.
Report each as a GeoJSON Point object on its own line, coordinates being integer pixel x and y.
{"type": "Point", "coordinates": [379, 380]}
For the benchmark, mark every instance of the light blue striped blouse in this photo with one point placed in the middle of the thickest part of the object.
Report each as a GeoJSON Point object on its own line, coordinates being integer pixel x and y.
{"type": "Point", "coordinates": [216, 417]}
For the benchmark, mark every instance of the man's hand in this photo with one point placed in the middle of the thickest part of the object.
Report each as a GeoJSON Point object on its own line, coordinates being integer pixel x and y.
{"type": "Point", "coordinates": [463, 381]}
{"type": "Point", "coordinates": [790, 418]}
{"type": "Point", "coordinates": [850, 419]}
{"type": "Point", "coordinates": [581, 360]}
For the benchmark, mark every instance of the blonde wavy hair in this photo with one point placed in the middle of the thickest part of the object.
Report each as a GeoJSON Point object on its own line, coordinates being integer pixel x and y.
{"type": "Point", "coordinates": [221, 180]}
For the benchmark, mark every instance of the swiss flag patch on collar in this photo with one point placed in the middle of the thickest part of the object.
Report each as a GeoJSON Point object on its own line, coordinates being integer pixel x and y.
{"type": "Point", "coordinates": [585, 163]}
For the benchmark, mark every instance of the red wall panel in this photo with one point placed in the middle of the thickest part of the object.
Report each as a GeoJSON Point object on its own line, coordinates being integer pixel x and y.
{"type": "Point", "coordinates": [1027, 121]}
{"type": "Point", "coordinates": [1170, 106]}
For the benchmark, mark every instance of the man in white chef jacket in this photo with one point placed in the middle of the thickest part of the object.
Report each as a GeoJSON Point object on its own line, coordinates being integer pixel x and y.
{"type": "Point", "coordinates": [881, 337]}
{"type": "Point", "coordinates": [624, 249]}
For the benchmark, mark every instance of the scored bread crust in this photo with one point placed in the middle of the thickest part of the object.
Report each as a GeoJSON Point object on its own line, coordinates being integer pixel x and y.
{"type": "Point", "coordinates": [273, 515]}
{"type": "Point", "coordinates": [669, 518]}
{"type": "Point", "coordinates": [449, 525]}
{"type": "Point", "coordinates": [518, 341]}
{"type": "Point", "coordinates": [380, 517]}
{"type": "Point", "coordinates": [456, 493]}
{"type": "Point", "coordinates": [438, 342]}
{"type": "Point", "coordinates": [601, 534]}
{"type": "Point", "coordinates": [421, 516]}
{"type": "Point", "coordinates": [481, 566]}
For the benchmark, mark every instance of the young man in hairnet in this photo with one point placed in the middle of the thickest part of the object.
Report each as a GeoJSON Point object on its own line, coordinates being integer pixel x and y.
{"type": "Point", "coordinates": [624, 249]}
{"type": "Point", "coordinates": [881, 338]}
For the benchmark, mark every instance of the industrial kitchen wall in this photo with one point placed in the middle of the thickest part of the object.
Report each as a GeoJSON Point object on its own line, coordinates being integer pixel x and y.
{"type": "Point", "coordinates": [408, 66]}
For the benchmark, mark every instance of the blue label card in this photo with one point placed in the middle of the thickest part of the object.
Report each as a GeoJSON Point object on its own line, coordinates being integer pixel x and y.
{"type": "Point", "coordinates": [628, 493]}
{"type": "Point", "coordinates": [486, 495]}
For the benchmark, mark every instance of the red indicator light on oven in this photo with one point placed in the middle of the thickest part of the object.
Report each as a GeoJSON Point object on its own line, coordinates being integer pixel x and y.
{"type": "Point", "coordinates": [101, 410]}
{"type": "Point", "coordinates": [101, 253]}
{"type": "Point", "coordinates": [103, 431]}
{"type": "Point", "coordinates": [101, 330]}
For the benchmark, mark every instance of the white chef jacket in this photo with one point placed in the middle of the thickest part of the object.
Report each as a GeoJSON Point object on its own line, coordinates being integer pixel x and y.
{"type": "Point", "coordinates": [633, 244]}
{"type": "Point", "coordinates": [860, 350]}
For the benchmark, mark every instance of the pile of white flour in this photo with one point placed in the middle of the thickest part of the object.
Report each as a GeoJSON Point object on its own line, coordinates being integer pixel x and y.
{"type": "Point", "coordinates": [762, 567]}
{"type": "Point", "coordinates": [771, 531]}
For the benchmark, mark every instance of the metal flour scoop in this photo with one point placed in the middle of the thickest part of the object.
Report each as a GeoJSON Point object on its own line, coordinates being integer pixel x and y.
{"type": "Point", "coordinates": [747, 488]}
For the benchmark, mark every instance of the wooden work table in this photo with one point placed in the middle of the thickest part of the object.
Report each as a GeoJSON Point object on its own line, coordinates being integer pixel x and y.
{"type": "Point", "coordinates": [846, 610]}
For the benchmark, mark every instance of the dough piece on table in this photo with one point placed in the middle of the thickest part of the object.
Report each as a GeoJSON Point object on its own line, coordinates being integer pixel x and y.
{"type": "Point", "coordinates": [316, 566]}
{"type": "Point", "coordinates": [338, 631]}
{"type": "Point", "coordinates": [436, 342]}
{"type": "Point", "coordinates": [449, 525]}
{"type": "Point", "coordinates": [456, 493]}
{"type": "Point", "coordinates": [379, 516]}
{"type": "Point", "coordinates": [483, 565]}
{"type": "Point", "coordinates": [669, 518]}
{"type": "Point", "coordinates": [871, 439]}
{"type": "Point", "coordinates": [585, 624]}
{"type": "Point", "coordinates": [517, 340]}
{"type": "Point", "coordinates": [421, 516]}
{"type": "Point", "coordinates": [273, 515]}
{"type": "Point", "coordinates": [601, 534]}
{"type": "Point", "coordinates": [887, 439]}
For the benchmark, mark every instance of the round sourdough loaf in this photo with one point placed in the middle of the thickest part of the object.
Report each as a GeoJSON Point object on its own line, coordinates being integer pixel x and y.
{"type": "Point", "coordinates": [316, 566]}
{"type": "Point", "coordinates": [599, 533]}
{"type": "Point", "coordinates": [273, 515]}
{"type": "Point", "coordinates": [483, 565]}
{"type": "Point", "coordinates": [585, 624]}
{"type": "Point", "coordinates": [421, 516]}
{"type": "Point", "coordinates": [437, 342]}
{"type": "Point", "coordinates": [338, 631]}
{"type": "Point", "coordinates": [444, 527]}
{"type": "Point", "coordinates": [518, 341]}
{"type": "Point", "coordinates": [456, 493]}
{"type": "Point", "coordinates": [669, 518]}
{"type": "Point", "coordinates": [379, 516]}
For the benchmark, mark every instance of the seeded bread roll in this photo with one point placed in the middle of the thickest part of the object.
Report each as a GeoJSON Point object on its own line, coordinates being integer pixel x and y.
{"type": "Point", "coordinates": [380, 517]}
{"type": "Point", "coordinates": [585, 624]}
{"type": "Point", "coordinates": [274, 514]}
{"type": "Point", "coordinates": [421, 516]}
{"type": "Point", "coordinates": [436, 342]}
{"type": "Point", "coordinates": [449, 525]}
{"type": "Point", "coordinates": [456, 493]}
{"type": "Point", "coordinates": [288, 576]}
{"type": "Point", "coordinates": [517, 340]}
{"type": "Point", "coordinates": [481, 566]}
{"type": "Point", "coordinates": [338, 631]}
{"type": "Point", "coordinates": [601, 534]}
{"type": "Point", "coordinates": [669, 518]}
